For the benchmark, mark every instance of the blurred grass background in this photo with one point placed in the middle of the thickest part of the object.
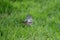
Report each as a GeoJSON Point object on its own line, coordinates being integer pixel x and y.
{"type": "Point", "coordinates": [46, 19]}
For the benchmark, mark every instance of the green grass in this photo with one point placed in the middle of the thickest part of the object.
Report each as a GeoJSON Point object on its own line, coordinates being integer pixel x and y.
{"type": "Point", "coordinates": [46, 20]}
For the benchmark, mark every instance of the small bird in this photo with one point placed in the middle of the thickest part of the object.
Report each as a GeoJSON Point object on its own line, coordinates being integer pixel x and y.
{"type": "Point", "coordinates": [28, 20]}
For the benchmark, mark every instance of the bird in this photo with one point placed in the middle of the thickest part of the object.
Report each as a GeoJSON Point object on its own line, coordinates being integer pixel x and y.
{"type": "Point", "coordinates": [28, 20]}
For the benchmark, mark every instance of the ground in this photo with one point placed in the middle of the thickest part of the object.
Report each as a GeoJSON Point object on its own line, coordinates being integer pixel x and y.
{"type": "Point", "coordinates": [45, 14]}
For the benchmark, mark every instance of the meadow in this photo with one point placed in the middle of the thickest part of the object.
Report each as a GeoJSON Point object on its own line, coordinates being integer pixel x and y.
{"type": "Point", "coordinates": [45, 14]}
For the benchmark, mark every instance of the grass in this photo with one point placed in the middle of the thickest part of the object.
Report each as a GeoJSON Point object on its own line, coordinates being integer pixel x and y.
{"type": "Point", "coordinates": [46, 20]}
